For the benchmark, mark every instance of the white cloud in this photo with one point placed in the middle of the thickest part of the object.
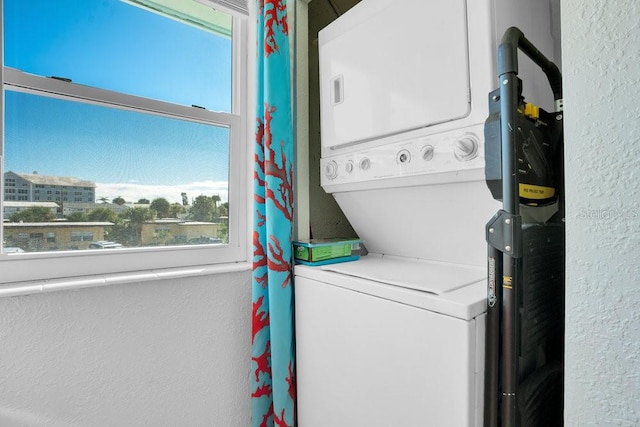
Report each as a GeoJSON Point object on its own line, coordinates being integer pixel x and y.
{"type": "Point", "coordinates": [133, 192]}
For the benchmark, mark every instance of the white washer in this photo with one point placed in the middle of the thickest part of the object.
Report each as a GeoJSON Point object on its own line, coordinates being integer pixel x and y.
{"type": "Point", "coordinates": [397, 337]}
{"type": "Point", "coordinates": [390, 341]}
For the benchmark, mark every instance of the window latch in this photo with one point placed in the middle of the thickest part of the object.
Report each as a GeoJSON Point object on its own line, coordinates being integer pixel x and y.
{"type": "Point", "coordinates": [64, 79]}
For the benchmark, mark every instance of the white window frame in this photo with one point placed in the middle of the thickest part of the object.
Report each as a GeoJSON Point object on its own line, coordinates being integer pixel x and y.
{"type": "Point", "coordinates": [47, 266]}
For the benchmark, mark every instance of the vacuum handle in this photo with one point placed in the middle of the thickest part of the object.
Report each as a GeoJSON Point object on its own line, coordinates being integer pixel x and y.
{"type": "Point", "coordinates": [512, 40]}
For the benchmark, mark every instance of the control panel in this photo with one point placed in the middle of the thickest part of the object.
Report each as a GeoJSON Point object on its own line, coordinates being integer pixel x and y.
{"type": "Point", "coordinates": [433, 154]}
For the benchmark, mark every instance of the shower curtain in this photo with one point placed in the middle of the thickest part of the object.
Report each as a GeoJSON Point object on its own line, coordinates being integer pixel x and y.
{"type": "Point", "coordinates": [273, 364]}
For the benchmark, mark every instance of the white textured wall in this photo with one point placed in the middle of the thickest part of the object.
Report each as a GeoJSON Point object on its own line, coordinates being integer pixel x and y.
{"type": "Point", "coordinates": [168, 353]}
{"type": "Point", "coordinates": [601, 65]}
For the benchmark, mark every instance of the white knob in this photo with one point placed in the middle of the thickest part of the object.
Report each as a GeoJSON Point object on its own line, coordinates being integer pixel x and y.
{"type": "Point", "coordinates": [365, 163]}
{"type": "Point", "coordinates": [403, 156]}
{"type": "Point", "coordinates": [427, 152]}
{"type": "Point", "coordinates": [349, 167]}
{"type": "Point", "coordinates": [466, 148]}
{"type": "Point", "coordinates": [331, 169]}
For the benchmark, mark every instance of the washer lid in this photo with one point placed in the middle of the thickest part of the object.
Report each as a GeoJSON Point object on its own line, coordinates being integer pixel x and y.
{"type": "Point", "coordinates": [450, 289]}
{"type": "Point", "coordinates": [427, 276]}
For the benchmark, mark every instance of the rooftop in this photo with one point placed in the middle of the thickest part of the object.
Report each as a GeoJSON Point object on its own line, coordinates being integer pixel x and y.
{"type": "Point", "coordinates": [11, 204]}
{"type": "Point", "coordinates": [67, 181]}
{"type": "Point", "coordinates": [56, 224]}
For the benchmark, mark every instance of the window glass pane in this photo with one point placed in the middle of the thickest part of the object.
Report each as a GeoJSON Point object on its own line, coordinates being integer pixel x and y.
{"type": "Point", "coordinates": [119, 46]}
{"type": "Point", "coordinates": [116, 177]}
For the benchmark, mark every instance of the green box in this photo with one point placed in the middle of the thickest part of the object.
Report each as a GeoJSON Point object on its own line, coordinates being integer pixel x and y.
{"type": "Point", "coordinates": [326, 251]}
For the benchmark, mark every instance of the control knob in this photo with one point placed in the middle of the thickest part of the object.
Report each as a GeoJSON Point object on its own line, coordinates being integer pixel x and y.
{"type": "Point", "coordinates": [365, 164]}
{"type": "Point", "coordinates": [348, 167]}
{"type": "Point", "coordinates": [466, 148]}
{"type": "Point", "coordinates": [427, 152]}
{"type": "Point", "coordinates": [331, 169]}
{"type": "Point", "coordinates": [403, 156]}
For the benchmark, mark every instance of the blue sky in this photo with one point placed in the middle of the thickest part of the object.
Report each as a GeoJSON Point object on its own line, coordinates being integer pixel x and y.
{"type": "Point", "coordinates": [113, 45]}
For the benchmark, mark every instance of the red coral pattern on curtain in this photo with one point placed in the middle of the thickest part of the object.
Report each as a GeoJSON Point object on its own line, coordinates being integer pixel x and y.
{"type": "Point", "coordinates": [273, 394]}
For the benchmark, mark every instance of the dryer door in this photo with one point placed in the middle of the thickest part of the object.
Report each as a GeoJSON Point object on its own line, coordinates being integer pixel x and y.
{"type": "Point", "coordinates": [387, 67]}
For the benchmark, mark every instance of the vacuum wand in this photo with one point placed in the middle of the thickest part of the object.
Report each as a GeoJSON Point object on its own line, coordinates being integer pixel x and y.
{"type": "Point", "coordinates": [522, 151]}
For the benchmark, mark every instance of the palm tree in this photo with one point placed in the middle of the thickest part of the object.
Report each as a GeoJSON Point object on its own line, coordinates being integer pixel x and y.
{"type": "Point", "coordinates": [216, 198]}
{"type": "Point", "coordinates": [137, 217]}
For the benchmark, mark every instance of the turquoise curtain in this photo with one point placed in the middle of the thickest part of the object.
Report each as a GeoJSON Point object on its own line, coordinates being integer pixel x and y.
{"type": "Point", "coordinates": [273, 361]}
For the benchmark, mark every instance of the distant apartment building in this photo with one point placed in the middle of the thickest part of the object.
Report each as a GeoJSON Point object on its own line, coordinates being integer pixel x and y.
{"type": "Point", "coordinates": [33, 187]}
{"type": "Point", "coordinates": [69, 208]}
{"type": "Point", "coordinates": [165, 231]}
{"type": "Point", "coordinates": [10, 208]}
{"type": "Point", "coordinates": [52, 236]}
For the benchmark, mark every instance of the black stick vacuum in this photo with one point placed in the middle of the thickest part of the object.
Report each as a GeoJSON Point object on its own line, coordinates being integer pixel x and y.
{"type": "Point", "coordinates": [524, 359]}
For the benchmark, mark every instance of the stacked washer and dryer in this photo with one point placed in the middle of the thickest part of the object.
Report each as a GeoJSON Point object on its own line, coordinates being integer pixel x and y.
{"type": "Point", "coordinates": [397, 337]}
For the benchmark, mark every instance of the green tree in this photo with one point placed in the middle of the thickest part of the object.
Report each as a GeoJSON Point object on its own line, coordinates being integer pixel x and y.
{"type": "Point", "coordinates": [202, 209]}
{"type": "Point", "coordinates": [119, 201]}
{"type": "Point", "coordinates": [216, 213]}
{"type": "Point", "coordinates": [103, 200]}
{"type": "Point", "coordinates": [103, 215]}
{"type": "Point", "coordinates": [176, 209]}
{"type": "Point", "coordinates": [223, 210]}
{"type": "Point", "coordinates": [223, 228]}
{"type": "Point", "coordinates": [33, 214]}
{"type": "Point", "coordinates": [136, 217]}
{"type": "Point", "coordinates": [161, 206]}
{"type": "Point", "coordinates": [143, 201]}
{"type": "Point", "coordinates": [77, 217]}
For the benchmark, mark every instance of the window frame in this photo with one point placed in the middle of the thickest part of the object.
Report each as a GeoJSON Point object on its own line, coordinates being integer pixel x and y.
{"type": "Point", "coordinates": [39, 266]}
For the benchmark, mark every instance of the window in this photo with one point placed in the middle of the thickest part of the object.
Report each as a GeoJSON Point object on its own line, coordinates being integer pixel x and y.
{"type": "Point", "coordinates": [81, 236]}
{"type": "Point", "coordinates": [151, 128]}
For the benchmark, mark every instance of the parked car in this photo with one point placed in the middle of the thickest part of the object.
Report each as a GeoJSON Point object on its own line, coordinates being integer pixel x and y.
{"type": "Point", "coordinates": [12, 250]}
{"type": "Point", "coordinates": [103, 244]}
{"type": "Point", "coordinates": [204, 239]}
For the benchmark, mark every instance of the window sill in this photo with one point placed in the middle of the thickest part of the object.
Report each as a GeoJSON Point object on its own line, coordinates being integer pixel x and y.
{"type": "Point", "coordinates": [40, 286]}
